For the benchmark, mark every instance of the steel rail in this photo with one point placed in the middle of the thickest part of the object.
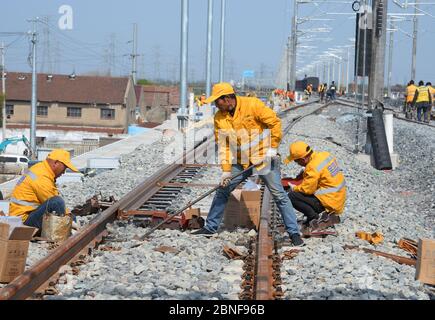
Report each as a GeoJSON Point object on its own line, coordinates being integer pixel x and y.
{"type": "Point", "coordinates": [264, 278]}
{"type": "Point", "coordinates": [27, 283]}
{"type": "Point", "coordinates": [395, 113]}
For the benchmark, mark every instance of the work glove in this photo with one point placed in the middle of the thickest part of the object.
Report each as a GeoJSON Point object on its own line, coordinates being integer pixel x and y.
{"type": "Point", "coordinates": [225, 178]}
{"type": "Point", "coordinates": [271, 153]}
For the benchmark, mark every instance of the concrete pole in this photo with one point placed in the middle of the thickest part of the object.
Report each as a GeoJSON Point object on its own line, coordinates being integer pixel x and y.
{"type": "Point", "coordinates": [294, 46]}
{"type": "Point", "coordinates": [2, 48]}
{"type": "Point", "coordinates": [288, 69]}
{"type": "Point", "coordinates": [222, 44]}
{"type": "Point", "coordinates": [333, 68]}
{"type": "Point", "coordinates": [379, 36]}
{"type": "Point", "coordinates": [134, 54]}
{"type": "Point", "coordinates": [328, 73]}
{"type": "Point", "coordinates": [34, 92]}
{"type": "Point", "coordinates": [209, 44]}
{"type": "Point", "coordinates": [339, 75]}
{"type": "Point", "coordinates": [414, 42]}
{"type": "Point", "coordinates": [390, 59]}
{"type": "Point", "coordinates": [183, 55]}
{"type": "Point", "coordinates": [347, 69]}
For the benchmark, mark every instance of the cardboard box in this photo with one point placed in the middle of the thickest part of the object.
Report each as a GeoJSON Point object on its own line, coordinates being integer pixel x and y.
{"type": "Point", "coordinates": [425, 268]}
{"type": "Point", "coordinates": [193, 212]}
{"type": "Point", "coordinates": [243, 209]}
{"type": "Point", "coordinates": [13, 251]}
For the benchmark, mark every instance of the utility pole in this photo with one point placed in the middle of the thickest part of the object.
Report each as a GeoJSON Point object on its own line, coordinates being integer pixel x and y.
{"type": "Point", "coordinates": [347, 70]}
{"type": "Point", "coordinates": [34, 90]}
{"type": "Point", "coordinates": [339, 74]}
{"type": "Point", "coordinates": [288, 68]}
{"type": "Point", "coordinates": [134, 54]}
{"type": "Point", "coordinates": [379, 35]}
{"type": "Point", "coordinates": [2, 48]}
{"type": "Point", "coordinates": [182, 116]}
{"type": "Point", "coordinates": [294, 45]}
{"type": "Point", "coordinates": [414, 41]}
{"type": "Point", "coordinates": [390, 58]}
{"type": "Point", "coordinates": [333, 68]}
{"type": "Point", "coordinates": [222, 44]}
{"type": "Point", "coordinates": [209, 48]}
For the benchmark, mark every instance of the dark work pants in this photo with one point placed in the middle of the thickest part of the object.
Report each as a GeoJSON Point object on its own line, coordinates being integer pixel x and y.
{"type": "Point", "coordinates": [309, 205]}
{"type": "Point", "coordinates": [423, 107]}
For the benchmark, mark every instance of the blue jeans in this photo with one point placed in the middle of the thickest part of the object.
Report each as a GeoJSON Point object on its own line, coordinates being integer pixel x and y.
{"type": "Point", "coordinates": [56, 204]}
{"type": "Point", "coordinates": [273, 182]}
{"type": "Point", "coordinates": [423, 107]}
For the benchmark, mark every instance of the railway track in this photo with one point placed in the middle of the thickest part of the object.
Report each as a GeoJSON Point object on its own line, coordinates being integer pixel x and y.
{"type": "Point", "coordinates": [155, 195]}
{"type": "Point", "coordinates": [397, 115]}
{"type": "Point", "coordinates": [267, 266]}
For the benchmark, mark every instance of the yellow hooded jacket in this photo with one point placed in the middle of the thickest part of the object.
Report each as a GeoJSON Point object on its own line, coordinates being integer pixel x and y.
{"type": "Point", "coordinates": [323, 178]}
{"type": "Point", "coordinates": [254, 128]}
{"type": "Point", "coordinates": [34, 187]}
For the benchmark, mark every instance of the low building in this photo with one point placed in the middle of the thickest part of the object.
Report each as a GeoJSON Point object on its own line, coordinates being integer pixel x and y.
{"type": "Point", "coordinates": [159, 102]}
{"type": "Point", "coordinates": [104, 105]}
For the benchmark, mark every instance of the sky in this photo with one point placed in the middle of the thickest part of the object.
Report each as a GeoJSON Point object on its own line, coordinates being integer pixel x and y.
{"type": "Point", "coordinates": [256, 36]}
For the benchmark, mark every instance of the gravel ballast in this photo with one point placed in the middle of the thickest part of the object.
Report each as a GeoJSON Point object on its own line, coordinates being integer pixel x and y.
{"type": "Point", "coordinates": [399, 204]}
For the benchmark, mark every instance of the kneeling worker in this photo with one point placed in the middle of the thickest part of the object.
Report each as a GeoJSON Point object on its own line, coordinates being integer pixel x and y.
{"type": "Point", "coordinates": [323, 187]}
{"type": "Point", "coordinates": [36, 192]}
{"type": "Point", "coordinates": [253, 127]}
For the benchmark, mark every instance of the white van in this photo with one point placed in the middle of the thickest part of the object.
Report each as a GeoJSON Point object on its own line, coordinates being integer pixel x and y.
{"type": "Point", "coordinates": [13, 164]}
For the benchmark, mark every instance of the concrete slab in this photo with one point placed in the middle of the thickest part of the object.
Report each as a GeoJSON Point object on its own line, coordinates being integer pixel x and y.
{"type": "Point", "coordinates": [367, 158]}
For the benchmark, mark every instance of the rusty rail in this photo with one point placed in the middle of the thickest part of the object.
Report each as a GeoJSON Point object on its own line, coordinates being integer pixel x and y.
{"type": "Point", "coordinates": [267, 266]}
{"type": "Point", "coordinates": [27, 283]}
{"type": "Point", "coordinates": [264, 271]}
{"type": "Point", "coordinates": [396, 258]}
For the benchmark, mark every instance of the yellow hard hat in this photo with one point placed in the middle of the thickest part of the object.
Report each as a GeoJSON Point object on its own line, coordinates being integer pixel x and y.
{"type": "Point", "coordinates": [62, 156]}
{"type": "Point", "coordinates": [219, 90]}
{"type": "Point", "coordinates": [298, 150]}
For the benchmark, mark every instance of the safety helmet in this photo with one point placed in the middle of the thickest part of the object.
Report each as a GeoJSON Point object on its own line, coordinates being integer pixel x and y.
{"type": "Point", "coordinates": [298, 150]}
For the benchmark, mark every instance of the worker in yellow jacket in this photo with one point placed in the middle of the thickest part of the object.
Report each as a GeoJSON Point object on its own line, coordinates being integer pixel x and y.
{"type": "Point", "coordinates": [422, 101]}
{"type": "Point", "coordinates": [36, 192]}
{"type": "Point", "coordinates": [409, 97]}
{"type": "Point", "coordinates": [248, 133]}
{"type": "Point", "coordinates": [323, 187]}
{"type": "Point", "coordinates": [432, 92]}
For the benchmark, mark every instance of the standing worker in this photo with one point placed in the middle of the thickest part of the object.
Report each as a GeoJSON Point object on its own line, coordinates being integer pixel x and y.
{"type": "Point", "coordinates": [332, 89]}
{"type": "Point", "coordinates": [422, 101]}
{"type": "Point", "coordinates": [323, 188]}
{"type": "Point", "coordinates": [432, 92]}
{"type": "Point", "coordinates": [256, 133]}
{"type": "Point", "coordinates": [409, 97]}
{"type": "Point", "coordinates": [36, 192]}
{"type": "Point", "coordinates": [322, 91]}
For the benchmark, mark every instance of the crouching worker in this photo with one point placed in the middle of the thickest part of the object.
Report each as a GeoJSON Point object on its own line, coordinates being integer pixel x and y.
{"type": "Point", "coordinates": [322, 193]}
{"type": "Point", "coordinates": [36, 192]}
{"type": "Point", "coordinates": [256, 133]}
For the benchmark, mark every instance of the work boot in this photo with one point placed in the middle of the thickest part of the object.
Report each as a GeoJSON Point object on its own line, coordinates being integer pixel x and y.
{"type": "Point", "coordinates": [202, 232]}
{"type": "Point", "coordinates": [296, 240]}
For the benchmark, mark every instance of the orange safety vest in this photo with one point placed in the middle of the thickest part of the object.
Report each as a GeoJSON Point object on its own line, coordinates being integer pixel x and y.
{"type": "Point", "coordinates": [410, 92]}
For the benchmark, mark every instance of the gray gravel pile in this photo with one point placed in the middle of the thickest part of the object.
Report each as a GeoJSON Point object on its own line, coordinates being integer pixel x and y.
{"type": "Point", "coordinates": [134, 168]}
{"type": "Point", "coordinates": [375, 202]}
{"type": "Point", "coordinates": [194, 268]}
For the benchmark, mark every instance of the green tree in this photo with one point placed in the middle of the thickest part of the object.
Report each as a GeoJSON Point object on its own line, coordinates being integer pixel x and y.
{"type": "Point", "coordinates": [143, 82]}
